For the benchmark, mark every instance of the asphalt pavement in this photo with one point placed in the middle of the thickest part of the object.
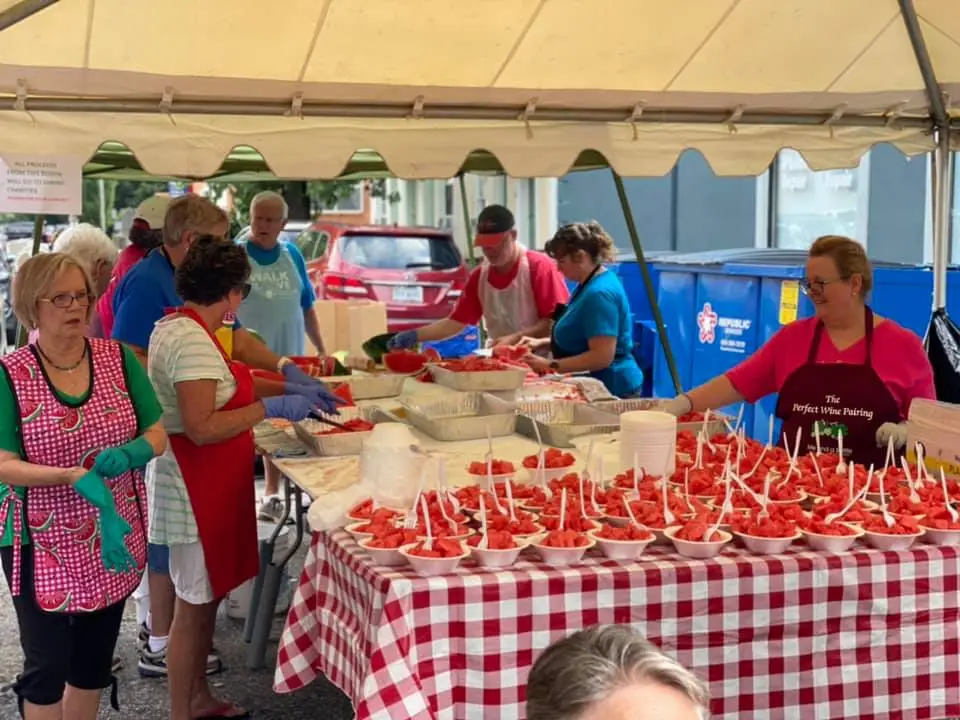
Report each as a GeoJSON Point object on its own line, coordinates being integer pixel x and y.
{"type": "Point", "coordinates": [144, 699]}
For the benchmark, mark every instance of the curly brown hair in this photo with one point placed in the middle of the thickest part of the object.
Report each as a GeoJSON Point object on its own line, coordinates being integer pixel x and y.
{"type": "Point", "coordinates": [589, 237]}
{"type": "Point", "coordinates": [212, 268]}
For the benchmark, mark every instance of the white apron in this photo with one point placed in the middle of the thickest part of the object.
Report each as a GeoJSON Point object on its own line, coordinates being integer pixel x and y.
{"type": "Point", "coordinates": [512, 309]}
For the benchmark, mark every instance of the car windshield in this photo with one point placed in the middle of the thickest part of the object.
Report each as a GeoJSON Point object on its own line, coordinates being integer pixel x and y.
{"type": "Point", "coordinates": [400, 252]}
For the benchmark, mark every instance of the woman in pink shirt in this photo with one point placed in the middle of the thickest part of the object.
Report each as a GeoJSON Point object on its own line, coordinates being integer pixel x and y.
{"type": "Point", "coordinates": [845, 370]}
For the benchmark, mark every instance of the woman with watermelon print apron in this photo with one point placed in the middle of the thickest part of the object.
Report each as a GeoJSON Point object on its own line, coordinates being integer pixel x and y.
{"type": "Point", "coordinates": [201, 491]}
{"type": "Point", "coordinates": [78, 421]}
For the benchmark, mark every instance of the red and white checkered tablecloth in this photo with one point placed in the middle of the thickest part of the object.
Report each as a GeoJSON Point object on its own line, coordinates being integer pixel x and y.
{"type": "Point", "coordinates": [867, 634]}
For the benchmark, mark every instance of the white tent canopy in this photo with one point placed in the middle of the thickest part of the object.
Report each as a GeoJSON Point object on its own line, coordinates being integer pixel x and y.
{"type": "Point", "coordinates": [424, 82]}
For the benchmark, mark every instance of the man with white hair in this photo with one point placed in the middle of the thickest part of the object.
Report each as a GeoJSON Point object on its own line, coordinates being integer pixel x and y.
{"type": "Point", "coordinates": [91, 246]}
{"type": "Point", "coordinates": [610, 672]}
{"type": "Point", "coordinates": [279, 307]}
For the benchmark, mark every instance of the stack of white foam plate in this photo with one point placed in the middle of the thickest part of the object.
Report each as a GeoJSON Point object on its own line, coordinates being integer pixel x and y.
{"type": "Point", "coordinates": [649, 440]}
{"type": "Point", "coordinates": [390, 466]}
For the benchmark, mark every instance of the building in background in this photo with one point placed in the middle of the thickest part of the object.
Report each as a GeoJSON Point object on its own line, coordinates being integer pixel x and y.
{"type": "Point", "coordinates": [884, 203]}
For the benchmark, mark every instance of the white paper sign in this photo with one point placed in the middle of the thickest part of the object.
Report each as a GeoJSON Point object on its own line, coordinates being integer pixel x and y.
{"type": "Point", "coordinates": [38, 184]}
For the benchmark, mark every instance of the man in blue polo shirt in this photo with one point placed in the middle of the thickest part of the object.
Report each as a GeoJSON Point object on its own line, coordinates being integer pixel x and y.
{"type": "Point", "coordinates": [141, 299]}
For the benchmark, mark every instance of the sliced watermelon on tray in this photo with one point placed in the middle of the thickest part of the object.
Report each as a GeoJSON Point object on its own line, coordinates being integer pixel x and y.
{"type": "Point", "coordinates": [405, 362]}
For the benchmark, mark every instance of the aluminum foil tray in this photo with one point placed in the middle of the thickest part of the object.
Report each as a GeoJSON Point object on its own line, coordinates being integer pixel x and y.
{"type": "Point", "coordinates": [717, 424]}
{"type": "Point", "coordinates": [339, 443]}
{"type": "Point", "coordinates": [467, 416]}
{"type": "Point", "coordinates": [559, 421]}
{"type": "Point", "coordinates": [370, 386]}
{"type": "Point", "coordinates": [494, 380]}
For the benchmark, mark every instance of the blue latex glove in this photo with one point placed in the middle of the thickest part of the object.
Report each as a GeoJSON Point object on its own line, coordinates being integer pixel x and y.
{"type": "Point", "coordinates": [295, 376]}
{"type": "Point", "coordinates": [116, 461]}
{"type": "Point", "coordinates": [318, 394]}
{"type": "Point", "coordinates": [288, 407]}
{"type": "Point", "coordinates": [403, 340]}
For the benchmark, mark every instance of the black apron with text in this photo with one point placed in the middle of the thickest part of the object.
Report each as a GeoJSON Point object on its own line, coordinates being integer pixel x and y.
{"type": "Point", "coordinates": [840, 397]}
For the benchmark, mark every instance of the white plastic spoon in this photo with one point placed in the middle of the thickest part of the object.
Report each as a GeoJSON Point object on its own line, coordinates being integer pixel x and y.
{"type": "Point", "coordinates": [491, 486]}
{"type": "Point", "coordinates": [816, 436]}
{"type": "Point", "coordinates": [428, 543]}
{"type": "Point", "coordinates": [441, 500]}
{"type": "Point", "coordinates": [946, 497]}
{"type": "Point", "coordinates": [636, 474]}
{"type": "Point", "coordinates": [816, 469]}
{"type": "Point", "coordinates": [842, 465]}
{"type": "Point", "coordinates": [832, 517]}
{"type": "Point", "coordinates": [887, 517]}
{"type": "Point", "coordinates": [410, 521]}
{"type": "Point", "coordinates": [770, 432]}
{"type": "Point", "coordinates": [667, 514]}
{"type": "Point", "coordinates": [686, 488]}
{"type": "Point", "coordinates": [716, 526]}
{"type": "Point", "coordinates": [706, 435]}
{"type": "Point", "coordinates": [563, 508]}
{"type": "Point", "coordinates": [513, 516]}
{"type": "Point", "coordinates": [633, 518]}
{"type": "Point", "coordinates": [484, 542]}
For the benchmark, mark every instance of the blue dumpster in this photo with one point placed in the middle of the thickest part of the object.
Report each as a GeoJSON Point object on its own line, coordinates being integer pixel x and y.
{"type": "Point", "coordinates": [720, 307]}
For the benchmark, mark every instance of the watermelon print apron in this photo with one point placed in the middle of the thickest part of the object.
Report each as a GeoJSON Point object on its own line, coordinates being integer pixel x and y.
{"type": "Point", "coordinates": [64, 528]}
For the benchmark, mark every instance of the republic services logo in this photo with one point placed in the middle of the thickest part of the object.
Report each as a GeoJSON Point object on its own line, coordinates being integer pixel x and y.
{"type": "Point", "coordinates": [707, 321]}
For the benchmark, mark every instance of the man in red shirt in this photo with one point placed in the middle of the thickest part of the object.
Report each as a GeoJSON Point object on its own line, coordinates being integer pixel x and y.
{"type": "Point", "coordinates": [515, 291]}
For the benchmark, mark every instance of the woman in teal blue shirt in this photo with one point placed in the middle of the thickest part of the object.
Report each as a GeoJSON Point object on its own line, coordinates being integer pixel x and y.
{"type": "Point", "coordinates": [592, 332]}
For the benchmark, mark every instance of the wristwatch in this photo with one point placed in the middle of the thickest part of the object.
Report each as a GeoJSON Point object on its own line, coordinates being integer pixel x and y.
{"type": "Point", "coordinates": [555, 365]}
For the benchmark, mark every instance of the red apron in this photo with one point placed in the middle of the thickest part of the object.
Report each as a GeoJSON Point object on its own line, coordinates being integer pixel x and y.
{"type": "Point", "coordinates": [840, 397]}
{"type": "Point", "coordinates": [219, 482]}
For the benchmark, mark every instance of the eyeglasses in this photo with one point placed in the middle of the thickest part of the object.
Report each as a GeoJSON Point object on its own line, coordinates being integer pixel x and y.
{"type": "Point", "coordinates": [244, 290]}
{"type": "Point", "coordinates": [816, 287]}
{"type": "Point", "coordinates": [64, 301]}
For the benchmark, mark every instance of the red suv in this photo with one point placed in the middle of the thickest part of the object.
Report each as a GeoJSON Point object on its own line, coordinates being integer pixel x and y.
{"type": "Point", "coordinates": [418, 272]}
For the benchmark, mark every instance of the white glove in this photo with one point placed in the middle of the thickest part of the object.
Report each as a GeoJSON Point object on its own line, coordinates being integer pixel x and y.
{"type": "Point", "coordinates": [680, 405]}
{"type": "Point", "coordinates": [897, 431]}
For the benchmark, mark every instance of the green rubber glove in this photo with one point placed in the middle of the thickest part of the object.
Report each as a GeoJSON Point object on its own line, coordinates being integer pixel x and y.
{"type": "Point", "coordinates": [92, 487]}
{"type": "Point", "coordinates": [116, 461]}
{"type": "Point", "coordinates": [113, 550]}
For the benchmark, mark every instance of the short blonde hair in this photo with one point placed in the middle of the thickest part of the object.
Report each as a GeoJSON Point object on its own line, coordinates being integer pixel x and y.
{"type": "Point", "coordinates": [849, 257]}
{"type": "Point", "coordinates": [190, 213]}
{"type": "Point", "coordinates": [34, 278]}
{"type": "Point", "coordinates": [88, 244]}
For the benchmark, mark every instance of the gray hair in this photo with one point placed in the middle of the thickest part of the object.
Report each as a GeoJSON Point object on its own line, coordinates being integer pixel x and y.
{"type": "Point", "coordinates": [88, 244]}
{"type": "Point", "coordinates": [586, 667]}
{"type": "Point", "coordinates": [269, 196]}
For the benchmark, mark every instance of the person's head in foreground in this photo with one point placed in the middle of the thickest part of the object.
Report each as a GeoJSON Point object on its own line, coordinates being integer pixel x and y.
{"type": "Point", "coordinates": [53, 293]}
{"type": "Point", "coordinates": [268, 215]}
{"type": "Point", "coordinates": [186, 219]}
{"type": "Point", "coordinates": [214, 276]}
{"type": "Point", "coordinates": [91, 246]}
{"type": "Point", "coordinates": [838, 279]}
{"type": "Point", "coordinates": [146, 230]}
{"type": "Point", "coordinates": [610, 672]}
{"type": "Point", "coordinates": [497, 236]}
{"type": "Point", "coordinates": [579, 248]}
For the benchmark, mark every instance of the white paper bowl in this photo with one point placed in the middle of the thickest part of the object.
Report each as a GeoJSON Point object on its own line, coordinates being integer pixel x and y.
{"type": "Point", "coordinates": [560, 557]}
{"type": "Point", "coordinates": [882, 541]}
{"type": "Point", "coordinates": [620, 550]}
{"type": "Point", "coordinates": [833, 543]}
{"type": "Point", "coordinates": [549, 474]}
{"type": "Point", "coordinates": [358, 536]}
{"type": "Point", "coordinates": [765, 545]}
{"type": "Point", "coordinates": [697, 550]}
{"type": "Point", "coordinates": [387, 557]}
{"type": "Point", "coordinates": [496, 559]}
{"type": "Point", "coordinates": [431, 567]}
{"type": "Point", "coordinates": [481, 480]}
{"type": "Point", "coordinates": [941, 537]}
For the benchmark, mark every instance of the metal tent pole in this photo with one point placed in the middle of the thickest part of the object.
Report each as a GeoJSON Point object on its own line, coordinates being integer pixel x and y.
{"type": "Point", "coordinates": [647, 280]}
{"type": "Point", "coordinates": [466, 218]}
{"type": "Point", "coordinates": [942, 166]}
{"type": "Point", "coordinates": [22, 10]}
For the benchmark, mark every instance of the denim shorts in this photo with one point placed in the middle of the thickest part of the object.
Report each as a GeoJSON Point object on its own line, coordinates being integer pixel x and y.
{"type": "Point", "coordinates": [158, 559]}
